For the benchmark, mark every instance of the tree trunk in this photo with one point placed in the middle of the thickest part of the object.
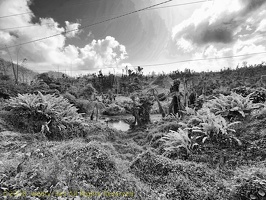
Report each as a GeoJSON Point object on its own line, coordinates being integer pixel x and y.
{"type": "Point", "coordinates": [161, 110]}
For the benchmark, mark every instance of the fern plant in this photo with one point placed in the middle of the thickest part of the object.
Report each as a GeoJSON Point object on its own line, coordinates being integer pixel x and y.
{"type": "Point", "coordinates": [175, 141]}
{"type": "Point", "coordinates": [35, 109]}
{"type": "Point", "coordinates": [206, 126]}
{"type": "Point", "coordinates": [231, 106]}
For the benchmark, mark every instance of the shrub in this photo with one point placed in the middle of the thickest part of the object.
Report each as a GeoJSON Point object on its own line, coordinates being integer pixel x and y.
{"type": "Point", "coordinates": [40, 85]}
{"type": "Point", "coordinates": [71, 98]}
{"type": "Point", "coordinates": [83, 106]}
{"type": "Point", "coordinates": [10, 88]}
{"type": "Point", "coordinates": [257, 95]}
{"type": "Point", "coordinates": [206, 126]}
{"type": "Point", "coordinates": [30, 112]}
{"type": "Point", "coordinates": [87, 91]}
{"type": "Point", "coordinates": [231, 106]}
{"type": "Point", "coordinates": [175, 141]}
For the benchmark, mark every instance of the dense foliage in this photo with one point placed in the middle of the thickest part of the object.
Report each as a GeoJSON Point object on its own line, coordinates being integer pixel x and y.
{"type": "Point", "coordinates": [216, 151]}
{"type": "Point", "coordinates": [30, 112]}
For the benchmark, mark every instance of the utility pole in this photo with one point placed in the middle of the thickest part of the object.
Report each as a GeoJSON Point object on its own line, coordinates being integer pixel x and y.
{"type": "Point", "coordinates": [12, 64]}
{"type": "Point", "coordinates": [17, 64]}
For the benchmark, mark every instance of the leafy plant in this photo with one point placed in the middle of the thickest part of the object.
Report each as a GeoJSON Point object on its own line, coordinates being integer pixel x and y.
{"type": "Point", "coordinates": [32, 111]}
{"type": "Point", "coordinates": [206, 126]}
{"type": "Point", "coordinates": [231, 106]}
{"type": "Point", "coordinates": [87, 92]}
{"type": "Point", "coordinates": [258, 95]}
{"type": "Point", "coordinates": [174, 141]}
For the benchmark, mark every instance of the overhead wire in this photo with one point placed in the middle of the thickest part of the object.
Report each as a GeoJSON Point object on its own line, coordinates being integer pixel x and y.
{"type": "Point", "coordinates": [183, 61]}
{"type": "Point", "coordinates": [86, 26]}
{"type": "Point", "coordinates": [155, 8]}
{"type": "Point", "coordinates": [126, 14]}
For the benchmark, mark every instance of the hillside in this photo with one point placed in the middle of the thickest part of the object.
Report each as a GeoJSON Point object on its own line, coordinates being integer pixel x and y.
{"type": "Point", "coordinates": [24, 75]}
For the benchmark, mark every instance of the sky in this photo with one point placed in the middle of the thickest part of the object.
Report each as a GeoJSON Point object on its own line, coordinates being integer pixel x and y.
{"type": "Point", "coordinates": [176, 35]}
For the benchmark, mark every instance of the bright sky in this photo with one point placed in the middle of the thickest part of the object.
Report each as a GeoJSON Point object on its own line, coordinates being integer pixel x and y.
{"type": "Point", "coordinates": [207, 29]}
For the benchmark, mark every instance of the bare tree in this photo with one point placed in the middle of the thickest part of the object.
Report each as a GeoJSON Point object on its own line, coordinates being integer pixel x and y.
{"type": "Point", "coordinates": [13, 67]}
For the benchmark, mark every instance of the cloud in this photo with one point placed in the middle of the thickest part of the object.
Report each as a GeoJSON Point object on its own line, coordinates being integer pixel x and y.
{"type": "Point", "coordinates": [72, 29]}
{"type": "Point", "coordinates": [102, 53]}
{"type": "Point", "coordinates": [51, 53]}
{"type": "Point", "coordinates": [217, 23]}
{"type": "Point", "coordinates": [223, 29]}
{"type": "Point", "coordinates": [262, 26]}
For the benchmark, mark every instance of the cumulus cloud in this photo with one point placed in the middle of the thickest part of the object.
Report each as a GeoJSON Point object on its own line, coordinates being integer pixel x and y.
{"type": "Point", "coordinates": [218, 23]}
{"type": "Point", "coordinates": [53, 52]}
{"type": "Point", "coordinates": [72, 29]}
{"type": "Point", "coordinates": [103, 53]}
{"type": "Point", "coordinates": [223, 29]}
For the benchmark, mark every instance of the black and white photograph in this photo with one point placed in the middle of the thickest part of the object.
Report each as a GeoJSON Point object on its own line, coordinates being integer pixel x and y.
{"type": "Point", "coordinates": [133, 99]}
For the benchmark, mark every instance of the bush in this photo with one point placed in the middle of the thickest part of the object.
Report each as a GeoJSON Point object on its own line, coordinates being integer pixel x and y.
{"type": "Point", "coordinates": [31, 112]}
{"type": "Point", "coordinates": [175, 142]}
{"type": "Point", "coordinates": [232, 106]}
{"type": "Point", "coordinates": [87, 92]}
{"type": "Point", "coordinates": [10, 88]}
{"type": "Point", "coordinates": [71, 98]}
{"type": "Point", "coordinates": [206, 126]}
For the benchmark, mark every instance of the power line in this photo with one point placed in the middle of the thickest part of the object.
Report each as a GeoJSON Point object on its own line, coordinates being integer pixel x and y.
{"type": "Point", "coordinates": [202, 59]}
{"type": "Point", "coordinates": [175, 5]}
{"type": "Point", "coordinates": [86, 26]}
{"type": "Point", "coordinates": [183, 61]}
{"type": "Point", "coordinates": [181, 4]}
{"type": "Point", "coordinates": [1, 17]}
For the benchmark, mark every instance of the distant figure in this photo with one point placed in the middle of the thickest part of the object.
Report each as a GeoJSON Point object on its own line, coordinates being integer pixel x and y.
{"type": "Point", "coordinates": [176, 106]}
{"type": "Point", "coordinates": [192, 98]}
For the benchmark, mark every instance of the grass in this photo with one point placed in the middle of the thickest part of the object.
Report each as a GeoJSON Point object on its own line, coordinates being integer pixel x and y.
{"type": "Point", "coordinates": [114, 165]}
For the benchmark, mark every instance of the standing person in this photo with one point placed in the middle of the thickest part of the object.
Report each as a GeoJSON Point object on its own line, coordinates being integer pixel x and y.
{"type": "Point", "coordinates": [192, 98]}
{"type": "Point", "coordinates": [176, 106]}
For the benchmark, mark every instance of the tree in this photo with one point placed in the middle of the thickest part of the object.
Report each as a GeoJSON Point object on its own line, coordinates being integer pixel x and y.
{"type": "Point", "coordinates": [141, 110]}
{"type": "Point", "coordinates": [87, 92]}
{"type": "Point", "coordinates": [161, 110]}
{"type": "Point", "coordinates": [139, 70]}
{"type": "Point", "coordinates": [130, 72]}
